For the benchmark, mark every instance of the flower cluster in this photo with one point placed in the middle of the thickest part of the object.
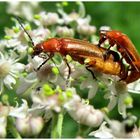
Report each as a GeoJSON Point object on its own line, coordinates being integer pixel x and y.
{"type": "Point", "coordinates": [48, 90]}
{"type": "Point", "coordinates": [117, 129]}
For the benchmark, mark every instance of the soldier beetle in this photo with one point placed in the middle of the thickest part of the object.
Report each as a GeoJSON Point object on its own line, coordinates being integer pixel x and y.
{"type": "Point", "coordinates": [126, 49]}
{"type": "Point", "coordinates": [79, 50]}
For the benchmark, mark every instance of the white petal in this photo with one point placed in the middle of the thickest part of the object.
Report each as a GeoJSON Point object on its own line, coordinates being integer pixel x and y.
{"type": "Point", "coordinates": [88, 83]}
{"type": "Point", "coordinates": [12, 43]}
{"type": "Point", "coordinates": [9, 80]}
{"type": "Point", "coordinates": [93, 90]}
{"type": "Point", "coordinates": [26, 83]}
{"type": "Point", "coordinates": [112, 102]}
{"type": "Point", "coordinates": [20, 112]}
{"type": "Point", "coordinates": [18, 67]}
{"type": "Point", "coordinates": [122, 106]}
{"type": "Point", "coordinates": [36, 99]}
{"type": "Point", "coordinates": [103, 132]}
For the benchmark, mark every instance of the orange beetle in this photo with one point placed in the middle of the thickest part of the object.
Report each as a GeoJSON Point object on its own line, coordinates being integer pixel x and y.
{"type": "Point", "coordinates": [80, 50]}
{"type": "Point", "coordinates": [126, 49]}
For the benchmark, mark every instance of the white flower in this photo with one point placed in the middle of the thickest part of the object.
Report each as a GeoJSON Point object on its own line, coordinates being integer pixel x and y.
{"type": "Point", "coordinates": [11, 43]}
{"type": "Point", "coordinates": [24, 9]}
{"type": "Point", "coordinates": [47, 19]}
{"type": "Point", "coordinates": [46, 102]}
{"type": "Point", "coordinates": [118, 94]}
{"type": "Point", "coordinates": [91, 84]}
{"type": "Point", "coordinates": [37, 77]}
{"type": "Point", "coordinates": [9, 71]}
{"type": "Point", "coordinates": [86, 29]}
{"type": "Point", "coordinates": [16, 39]}
{"type": "Point", "coordinates": [40, 34]}
{"type": "Point", "coordinates": [75, 17]}
{"type": "Point", "coordinates": [51, 18]}
{"type": "Point", "coordinates": [26, 83]}
{"type": "Point", "coordinates": [45, 74]}
{"type": "Point", "coordinates": [64, 31]}
{"type": "Point", "coordinates": [84, 21]}
{"type": "Point", "coordinates": [83, 113]}
{"type": "Point", "coordinates": [29, 126]}
{"type": "Point", "coordinates": [80, 21]}
{"type": "Point", "coordinates": [5, 111]}
{"type": "Point", "coordinates": [57, 99]}
{"type": "Point", "coordinates": [117, 129]}
{"type": "Point", "coordinates": [69, 18]}
{"type": "Point", "coordinates": [103, 132]}
{"type": "Point", "coordinates": [120, 129]}
{"type": "Point", "coordinates": [87, 115]}
{"type": "Point", "coordinates": [19, 112]}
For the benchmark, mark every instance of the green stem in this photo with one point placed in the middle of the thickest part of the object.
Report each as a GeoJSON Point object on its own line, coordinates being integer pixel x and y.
{"type": "Point", "coordinates": [60, 123]}
{"type": "Point", "coordinates": [12, 128]}
{"type": "Point", "coordinates": [57, 123]}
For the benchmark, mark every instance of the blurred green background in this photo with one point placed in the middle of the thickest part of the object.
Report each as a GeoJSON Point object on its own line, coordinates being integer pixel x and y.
{"type": "Point", "coordinates": [123, 16]}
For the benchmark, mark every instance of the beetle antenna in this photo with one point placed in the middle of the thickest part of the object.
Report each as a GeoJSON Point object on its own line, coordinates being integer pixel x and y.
{"type": "Point", "coordinates": [20, 22]}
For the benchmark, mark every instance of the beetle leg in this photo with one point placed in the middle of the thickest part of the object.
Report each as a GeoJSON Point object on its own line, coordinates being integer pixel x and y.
{"type": "Point", "coordinates": [124, 73]}
{"type": "Point", "coordinates": [43, 56]}
{"type": "Point", "coordinates": [50, 56]}
{"type": "Point", "coordinates": [69, 68]}
{"type": "Point", "coordinates": [115, 55]}
{"type": "Point", "coordinates": [88, 68]}
{"type": "Point", "coordinates": [107, 52]}
{"type": "Point", "coordinates": [102, 40]}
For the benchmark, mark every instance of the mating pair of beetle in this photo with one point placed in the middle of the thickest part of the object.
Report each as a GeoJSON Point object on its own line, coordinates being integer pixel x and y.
{"type": "Point", "coordinates": [99, 58]}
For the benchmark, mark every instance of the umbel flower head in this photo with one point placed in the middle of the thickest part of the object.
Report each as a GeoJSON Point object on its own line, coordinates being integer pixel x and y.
{"type": "Point", "coordinates": [49, 90]}
{"type": "Point", "coordinates": [119, 95]}
{"type": "Point", "coordinates": [48, 100]}
{"type": "Point", "coordinates": [9, 70]}
{"type": "Point", "coordinates": [117, 129]}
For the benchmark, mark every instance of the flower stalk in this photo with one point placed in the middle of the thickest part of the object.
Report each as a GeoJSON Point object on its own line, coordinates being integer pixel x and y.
{"type": "Point", "coordinates": [12, 128]}
{"type": "Point", "coordinates": [57, 122]}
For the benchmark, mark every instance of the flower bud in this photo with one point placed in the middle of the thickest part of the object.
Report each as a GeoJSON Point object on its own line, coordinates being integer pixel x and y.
{"type": "Point", "coordinates": [64, 31]}
{"type": "Point", "coordinates": [85, 114]}
{"type": "Point", "coordinates": [49, 18]}
{"type": "Point", "coordinates": [86, 29]}
{"type": "Point", "coordinates": [29, 126]}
